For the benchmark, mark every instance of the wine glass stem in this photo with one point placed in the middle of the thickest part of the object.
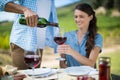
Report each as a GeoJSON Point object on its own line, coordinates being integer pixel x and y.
{"type": "Point", "coordinates": [57, 76]}
{"type": "Point", "coordinates": [33, 69]}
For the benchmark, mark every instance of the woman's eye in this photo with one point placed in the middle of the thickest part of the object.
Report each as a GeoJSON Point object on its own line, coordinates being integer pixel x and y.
{"type": "Point", "coordinates": [75, 16]}
{"type": "Point", "coordinates": [81, 16]}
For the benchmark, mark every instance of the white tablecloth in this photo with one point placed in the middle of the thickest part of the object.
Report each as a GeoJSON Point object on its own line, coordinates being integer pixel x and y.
{"type": "Point", "coordinates": [59, 74]}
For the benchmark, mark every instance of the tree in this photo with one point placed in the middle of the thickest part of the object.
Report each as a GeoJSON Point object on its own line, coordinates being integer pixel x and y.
{"type": "Point", "coordinates": [117, 4]}
{"type": "Point", "coordinates": [108, 4]}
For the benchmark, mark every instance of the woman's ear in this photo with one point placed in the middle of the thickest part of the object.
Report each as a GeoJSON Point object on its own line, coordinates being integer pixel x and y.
{"type": "Point", "coordinates": [91, 17]}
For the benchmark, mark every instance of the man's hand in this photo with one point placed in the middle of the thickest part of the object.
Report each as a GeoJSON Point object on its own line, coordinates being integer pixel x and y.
{"type": "Point", "coordinates": [31, 18]}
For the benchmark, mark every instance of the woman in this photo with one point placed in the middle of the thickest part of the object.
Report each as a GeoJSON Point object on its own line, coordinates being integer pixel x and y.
{"type": "Point", "coordinates": [83, 45]}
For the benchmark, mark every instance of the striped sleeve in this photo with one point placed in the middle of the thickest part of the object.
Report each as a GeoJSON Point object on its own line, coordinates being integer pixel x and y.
{"type": "Point", "coordinates": [3, 3]}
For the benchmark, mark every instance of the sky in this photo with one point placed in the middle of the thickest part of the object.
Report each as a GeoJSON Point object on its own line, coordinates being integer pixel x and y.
{"type": "Point", "coordinates": [58, 3]}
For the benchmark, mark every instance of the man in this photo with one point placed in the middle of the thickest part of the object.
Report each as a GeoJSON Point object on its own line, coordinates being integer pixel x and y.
{"type": "Point", "coordinates": [29, 37]}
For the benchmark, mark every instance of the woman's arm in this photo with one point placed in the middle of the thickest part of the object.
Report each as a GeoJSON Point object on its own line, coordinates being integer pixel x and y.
{"type": "Point", "coordinates": [66, 49]}
{"type": "Point", "coordinates": [88, 61]}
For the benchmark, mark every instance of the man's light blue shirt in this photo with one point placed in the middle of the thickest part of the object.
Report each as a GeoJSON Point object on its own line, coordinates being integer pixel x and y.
{"type": "Point", "coordinates": [72, 40]}
{"type": "Point", "coordinates": [25, 36]}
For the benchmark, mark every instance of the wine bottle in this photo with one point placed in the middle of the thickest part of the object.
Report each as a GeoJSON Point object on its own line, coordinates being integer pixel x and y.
{"type": "Point", "coordinates": [42, 22]}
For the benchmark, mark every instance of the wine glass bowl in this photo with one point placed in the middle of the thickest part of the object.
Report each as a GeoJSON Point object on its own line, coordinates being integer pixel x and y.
{"type": "Point", "coordinates": [60, 40]}
{"type": "Point", "coordinates": [31, 59]}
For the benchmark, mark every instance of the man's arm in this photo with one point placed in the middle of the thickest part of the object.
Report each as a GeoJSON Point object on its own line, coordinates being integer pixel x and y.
{"type": "Point", "coordinates": [15, 8]}
{"type": "Point", "coordinates": [31, 17]}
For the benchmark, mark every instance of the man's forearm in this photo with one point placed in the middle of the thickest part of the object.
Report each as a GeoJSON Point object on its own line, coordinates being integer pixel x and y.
{"type": "Point", "coordinates": [15, 8]}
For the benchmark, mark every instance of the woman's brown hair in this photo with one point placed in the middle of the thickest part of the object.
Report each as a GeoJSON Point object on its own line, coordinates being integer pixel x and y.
{"type": "Point", "coordinates": [92, 30]}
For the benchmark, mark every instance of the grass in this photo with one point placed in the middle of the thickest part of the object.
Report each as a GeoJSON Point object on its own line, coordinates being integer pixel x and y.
{"type": "Point", "coordinates": [5, 27]}
{"type": "Point", "coordinates": [5, 59]}
{"type": "Point", "coordinates": [108, 22]}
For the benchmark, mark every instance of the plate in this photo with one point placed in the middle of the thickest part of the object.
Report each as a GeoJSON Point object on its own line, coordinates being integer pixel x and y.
{"type": "Point", "coordinates": [60, 59]}
{"type": "Point", "coordinates": [39, 71]}
{"type": "Point", "coordinates": [79, 70]}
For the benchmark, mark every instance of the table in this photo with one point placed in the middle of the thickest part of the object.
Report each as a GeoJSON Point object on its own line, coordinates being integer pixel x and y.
{"type": "Point", "coordinates": [59, 75]}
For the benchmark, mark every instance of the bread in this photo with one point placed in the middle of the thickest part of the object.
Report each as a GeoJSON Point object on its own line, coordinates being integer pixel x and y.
{"type": "Point", "coordinates": [1, 72]}
{"type": "Point", "coordinates": [10, 69]}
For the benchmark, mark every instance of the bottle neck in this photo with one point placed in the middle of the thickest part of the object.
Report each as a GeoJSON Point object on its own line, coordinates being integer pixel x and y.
{"type": "Point", "coordinates": [53, 24]}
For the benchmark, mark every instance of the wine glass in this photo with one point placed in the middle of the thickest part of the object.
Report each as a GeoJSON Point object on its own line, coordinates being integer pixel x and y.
{"type": "Point", "coordinates": [59, 40]}
{"type": "Point", "coordinates": [32, 59]}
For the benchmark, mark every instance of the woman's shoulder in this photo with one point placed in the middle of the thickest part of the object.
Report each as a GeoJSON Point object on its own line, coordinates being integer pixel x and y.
{"type": "Point", "coordinates": [99, 35]}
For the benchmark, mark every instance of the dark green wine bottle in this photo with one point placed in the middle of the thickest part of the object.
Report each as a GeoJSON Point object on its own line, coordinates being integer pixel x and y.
{"type": "Point", "coordinates": [42, 22]}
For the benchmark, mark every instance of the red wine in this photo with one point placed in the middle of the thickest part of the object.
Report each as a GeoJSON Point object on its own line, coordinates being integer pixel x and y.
{"type": "Point", "coordinates": [32, 60]}
{"type": "Point", "coordinates": [60, 40]}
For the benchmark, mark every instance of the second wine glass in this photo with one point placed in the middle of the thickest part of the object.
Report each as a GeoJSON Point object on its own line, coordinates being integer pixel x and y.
{"type": "Point", "coordinates": [59, 40]}
{"type": "Point", "coordinates": [32, 59]}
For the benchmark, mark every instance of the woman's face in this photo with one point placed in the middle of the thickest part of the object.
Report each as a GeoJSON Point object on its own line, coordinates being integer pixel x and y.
{"type": "Point", "coordinates": [82, 19]}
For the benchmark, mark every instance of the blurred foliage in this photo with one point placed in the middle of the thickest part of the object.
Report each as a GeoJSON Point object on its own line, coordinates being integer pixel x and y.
{"type": "Point", "coordinates": [5, 28]}
{"type": "Point", "coordinates": [5, 59]}
{"type": "Point", "coordinates": [108, 4]}
{"type": "Point", "coordinates": [4, 40]}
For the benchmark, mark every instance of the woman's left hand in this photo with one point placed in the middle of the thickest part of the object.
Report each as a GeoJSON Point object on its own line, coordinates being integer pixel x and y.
{"type": "Point", "coordinates": [65, 49]}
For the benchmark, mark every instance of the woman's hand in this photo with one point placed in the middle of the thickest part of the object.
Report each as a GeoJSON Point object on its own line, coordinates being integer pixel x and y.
{"type": "Point", "coordinates": [65, 49]}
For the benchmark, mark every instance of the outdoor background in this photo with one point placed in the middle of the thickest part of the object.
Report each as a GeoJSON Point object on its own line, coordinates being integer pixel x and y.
{"type": "Point", "coordinates": [108, 21]}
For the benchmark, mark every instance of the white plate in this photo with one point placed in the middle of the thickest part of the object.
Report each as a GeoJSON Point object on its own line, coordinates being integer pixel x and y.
{"type": "Point", "coordinates": [60, 59]}
{"type": "Point", "coordinates": [38, 71]}
{"type": "Point", "coordinates": [79, 70]}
